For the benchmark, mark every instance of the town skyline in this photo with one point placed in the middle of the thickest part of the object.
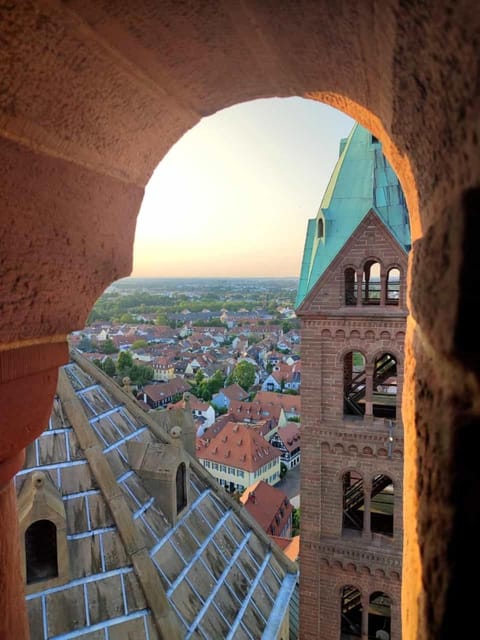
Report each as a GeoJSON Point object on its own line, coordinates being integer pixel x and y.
{"type": "Point", "coordinates": [232, 197]}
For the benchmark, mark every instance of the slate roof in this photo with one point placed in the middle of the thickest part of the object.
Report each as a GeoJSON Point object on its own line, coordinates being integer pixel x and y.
{"type": "Point", "coordinates": [214, 568]}
{"type": "Point", "coordinates": [362, 180]}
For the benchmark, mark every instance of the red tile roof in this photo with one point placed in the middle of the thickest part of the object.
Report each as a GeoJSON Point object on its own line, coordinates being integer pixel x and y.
{"type": "Point", "coordinates": [265, 503]}
{"type": "Point", "coordinates": [237, 446]}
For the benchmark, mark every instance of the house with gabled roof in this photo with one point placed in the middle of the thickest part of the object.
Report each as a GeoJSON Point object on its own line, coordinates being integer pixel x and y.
{"type": "Point", "coordinates": [270, 507]}
{"type": "Point", "coordinates": [287, 439]}
{"type": "Point", "coordinates": [238, 456]}
{"type": "Point", "coordinates": [125, 535]}
{"type": "Point", "coordinates": [291, 404]}
{"type": "Point", "coordinates": [231, 392]}
{"type": "Point", "coordinates": [163, 393]}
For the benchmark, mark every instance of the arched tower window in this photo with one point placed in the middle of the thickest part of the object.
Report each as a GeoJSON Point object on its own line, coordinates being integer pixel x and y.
{"type": "Point", "coordinates": [181, 487]}
{"type": "Point", "coordinates": [382, 505]}
{"type": "Point", "coordinates": [41, 551]}
{"type": "Point", "coordinates": [393, 286]}
{"type": "Point", "coordinates": [353, 502]}
{"type": "Point", "coordinates": [354, 384]}
{"type": "Point", "coordinates": [320, 228]}
{"type": "Point", "coordinates": [385, 387]}
{"type": "Point", "coordinates": [350, 286]}
{"type": "Point", "coordinates": [351, 613]}
{"type": "Point", "coordinates": [379, 616]}
{"type": "Point", "coordinates": [371, 283]}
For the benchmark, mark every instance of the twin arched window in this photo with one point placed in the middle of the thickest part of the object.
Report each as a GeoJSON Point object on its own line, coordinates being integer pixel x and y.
{"type": "Point", "coordinates": [377, 514]}
{"type": "Point", "coordinates": [351, 611]}
{"type": "Point", "coordinates": [371, 285]}
{"type": "Point", "coordinates": [377, 390]}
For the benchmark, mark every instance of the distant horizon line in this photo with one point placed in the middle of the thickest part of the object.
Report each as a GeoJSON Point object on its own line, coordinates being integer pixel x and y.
{"type": "Point", "coordinates": [208, 278]}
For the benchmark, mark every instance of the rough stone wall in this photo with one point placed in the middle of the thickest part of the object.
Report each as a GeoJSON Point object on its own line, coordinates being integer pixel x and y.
{"type": "Point", "coordinates": [94, 94]}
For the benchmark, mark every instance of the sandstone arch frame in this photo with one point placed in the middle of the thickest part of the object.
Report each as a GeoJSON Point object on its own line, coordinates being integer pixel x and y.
{"type": "Point", "coordinates": [94, 93]}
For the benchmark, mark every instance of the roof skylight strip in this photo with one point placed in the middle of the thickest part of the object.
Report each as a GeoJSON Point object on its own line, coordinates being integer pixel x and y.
{"type": "Point", "coordinates": [90, 533]}
{"type": "Point", "coordinates": [99, 416]}
{"type": "Point", "coordinates": [81, 494]}
{"type": "Point", "coordinates": [51, 467]}
{"type": "Point", "coordinates": [79, 582]}
{"type": "Point", "coordinates": [87, 608]}
{"type": "Point", "coordinates": [125, 476]}
{"type": "Point", "coordinates": [87, 389]}
{"type": "Point", "coordinates": [169, 533]}
{"type": "Point", "coordinates": [143, 508]}
{"type": "Point", "coordinates": [218, 585]}
{"type": "Point", "coordinates": [44, 618]}
{"type": "Point", "coordinates": [145, 627]}
{"type": "Point", "coordinates": [99, 626]}
{"type": "Point", "coordinates": [54, 432]}
{"type": "Point", "coordinates": [124, 439]}
{"type": "Point", "coordinates": [248, 598]}
{"type": "Point", "coordinates": [280, 606]}
{"type": "Point", "coordinates": [197, 554]}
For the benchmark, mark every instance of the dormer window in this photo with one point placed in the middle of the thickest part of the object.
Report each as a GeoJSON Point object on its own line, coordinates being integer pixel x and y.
{"type": "Point", "coordinates": [43, 533]}
{"type": "Point", "coordinates": [320, 228]}
{"type": "Point", "coordinates": [181, 486]}
{"type": "Point", "coordinates": [41, 551]}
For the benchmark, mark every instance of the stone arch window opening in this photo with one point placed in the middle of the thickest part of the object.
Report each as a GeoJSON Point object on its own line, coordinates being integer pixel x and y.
{"type": "Point", "coordinates": [385, 387]}
{"type": "Point", "coordinates": [371, 283]}
{"type": "Point", "coordinates": [351, 612]}
{"type": "Point", "coordinates": [353, 503]}
{"type": "Point", "coordinates": [350, 286]}
{"type": "Point", "coordinates": [41, 551]}
{"type": "Point", "coordinates": [392, 295]}
{"type": "Point", "coordinates": [379, 616]}
{"type": "Point", "coordinates": [354, 384]}
{"type": "Point", "coordinates": [382, 504]}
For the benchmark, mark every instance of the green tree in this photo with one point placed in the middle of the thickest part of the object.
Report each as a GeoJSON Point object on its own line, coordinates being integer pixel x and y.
{"type": "Point", "coordinates": [244, 374]}
{"type": "Point", "coordinates": [124, 362]}
{"type": "Point", "coordinates": [140, 344]}
{"type": "Point", "coordinates": [108, 347]}
{"type": "Point", "coordinates": [295, 521]}
{"type": "Point", "coordinates": [108, 366]}
{"type": "Point", "coordinates": [283, 469]}
{"type": "Point", "coordinates": [140, 374]}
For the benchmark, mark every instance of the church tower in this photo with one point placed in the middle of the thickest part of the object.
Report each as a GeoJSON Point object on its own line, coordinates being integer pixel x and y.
{"type": "Point", "coordinates": [351, 302]}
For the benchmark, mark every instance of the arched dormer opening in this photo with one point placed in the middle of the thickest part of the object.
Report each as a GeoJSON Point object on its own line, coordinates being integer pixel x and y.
{"type": "Point", "coordinates": [41, 551]}
{"type": "Point", "coordinates": [320, 228]}
{"type": "Point", "coordinates": [181, 487]}
{"type": "Point", "coordinates": [43, 533]}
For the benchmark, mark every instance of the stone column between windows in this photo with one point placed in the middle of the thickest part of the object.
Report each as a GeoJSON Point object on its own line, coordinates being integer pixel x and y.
{"type": "Point", "coordinates": [365, 604]}
{"type": "Point", "coordinates": [369, 369]}
{"type": "Point", "coordinates": [383, 289]}
{"type": "Point", "coordinates": [359, 287]}
{"type": "Point", "coordinates": [367, 492]}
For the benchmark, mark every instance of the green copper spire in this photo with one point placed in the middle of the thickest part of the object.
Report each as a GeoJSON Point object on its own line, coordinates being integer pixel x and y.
{"type": "Point", "coordinates": [362, 181]}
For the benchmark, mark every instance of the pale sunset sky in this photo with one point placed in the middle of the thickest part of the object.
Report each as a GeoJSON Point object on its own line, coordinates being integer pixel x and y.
{"type": "Point", "coordinates": [232, 197]}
